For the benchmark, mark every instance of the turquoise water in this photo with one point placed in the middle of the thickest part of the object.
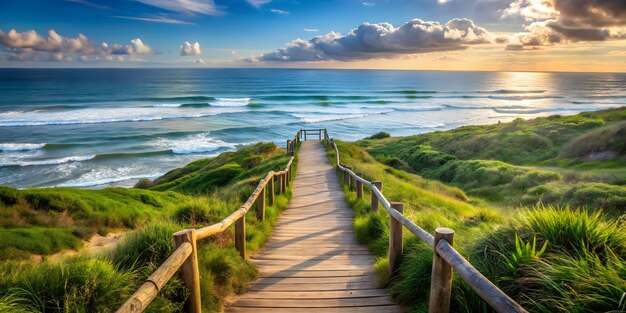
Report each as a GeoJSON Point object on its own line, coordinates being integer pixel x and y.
{"type": "Point", "coordinates": [97, 127]}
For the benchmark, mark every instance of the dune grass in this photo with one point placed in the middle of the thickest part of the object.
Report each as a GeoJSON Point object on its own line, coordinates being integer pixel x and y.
{"type": "Point", "coordinates": [581, 269]}
{"type": "Point", "coordinates": [48, 220]}
{"type": "Point", "coordinates": [577, 160]}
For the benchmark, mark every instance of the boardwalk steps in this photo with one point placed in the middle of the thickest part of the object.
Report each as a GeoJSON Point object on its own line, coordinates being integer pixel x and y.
{"type": "Point", "coordinates": [312, 262]}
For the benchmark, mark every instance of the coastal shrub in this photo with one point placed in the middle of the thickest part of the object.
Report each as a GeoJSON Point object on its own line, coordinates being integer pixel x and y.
{"type": "Point", "coordinates": [77, 285]}
{"type": "Point", "coordinates": [40, 240]}
{"type": "Point", "coordinates": [144, 183]}
{"type": "Point", "coordinates": [9, 195]}
{"type": "Point", "coordinates": [611, 198]}
{"type": "Point", "coordinates": [223, 272]}
{"type": "Point", "coordinates": [209, 181]}
{"type": "Point", "coordinates": [575, 231]}
{"type": "Point", "coordinates": [604, 143]}
{"type": "Point", "coordinates": [424, 157]}
{"type": "Point", "coordinates": [577, 272]}
{"type": "Point", "coordinates": [534, 178]}
{"type": "Point", "coordinates": [150, 245]}
{"type": "Point", "coordinates": [380, 135]}
{"type": "Point", "coordinates": [197, 211]}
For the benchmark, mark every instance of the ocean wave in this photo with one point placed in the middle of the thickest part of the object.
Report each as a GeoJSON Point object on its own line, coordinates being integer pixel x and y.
{"type": "Point", "coordinates": [106, 176]}
{"type": "Point", "coordinates": [100, 115]}
{"type": "Point", "coordinates": [69, 159]}
{"type": "Point", "coordinates": [314, 97]}
{"type": "Point", "coordinates": [167, 99]}
{"type": "Point", "coordinates": [316, 118]}
{"type": "Point", "coordinates": [231, 102]}
{"type": "Point", "coordinates": [21, 146]}
{"type": "Point", "coordinates": [513, 91]}
{"type": "Point", "coordinates": [520, 98]}
{"type": "Point", "coordinates": [505, 110]}
{"type": "Point", "coordinates": [413, 92]}
{"type": "Point", "coordinates": [199, 143]}
{"type": "Point", "coordinates": [485, 107]}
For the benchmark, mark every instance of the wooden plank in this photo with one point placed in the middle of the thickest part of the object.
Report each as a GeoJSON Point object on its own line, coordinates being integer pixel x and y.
{"type": "Point", "coordinates": [316, 287]}
{"type": "Point", "coordinates": [315, 273]}
{"type": "Point", "coordinates": [312, 303]}
{"type": "Point", "coordinates": [316, 280]}
{"type": "Point", "coordinates": [333, 294]}
{"type": "Point", "coordinates": [369, 309]}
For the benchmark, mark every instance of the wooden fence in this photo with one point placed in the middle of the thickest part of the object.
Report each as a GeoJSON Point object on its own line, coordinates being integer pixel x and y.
{"type": "Point", "coordinates": [185, 256]}
{"type": "Point", "coordinates": [445, 257]}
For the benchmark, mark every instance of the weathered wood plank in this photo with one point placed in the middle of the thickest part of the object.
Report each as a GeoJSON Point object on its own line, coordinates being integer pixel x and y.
{"type": "Point", "coordinates": [369, 309]}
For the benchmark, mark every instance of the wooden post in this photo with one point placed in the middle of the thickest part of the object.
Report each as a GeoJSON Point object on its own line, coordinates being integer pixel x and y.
{"type": "Point", "coordinates": [240, 236]}
{"type": "Point", "coordinates": [260, 206]}
{"type": "Point", "coordinates": [270, 191]}
{"type": "Point", "coordinates": [288, 146]}
{"type": "Point", "coordinates": [189, 269]}
{"type": "Point", "coordinates": [281, 186]}
{"type": "Point", "coordinates": [349, 177]}
{"type": "Point", "coordinates": [305, 135]}
{"type": "Point", "coordinates": [359, 187]}
{"type": "Point", "coordinates": [395, 240]}
{"type": "Point", "coordinates": [379, 186]}
{"type": "Point", "coordinates": [283, 183]}
{"type": "Point", "coordinates": [441, 277]}
{"type": "Point", "coordinates": [320, 133]}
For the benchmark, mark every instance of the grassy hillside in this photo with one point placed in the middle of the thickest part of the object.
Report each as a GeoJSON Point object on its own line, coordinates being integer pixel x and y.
{"type": "Point", "coordinates": [581, 270]}
{"type": "Point", "coordinates": [575, 160]}
{"type": "Point", "coordinates": [46, 220]}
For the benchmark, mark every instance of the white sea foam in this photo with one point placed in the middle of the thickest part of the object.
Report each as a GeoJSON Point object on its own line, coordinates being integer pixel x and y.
{"type": "Point", "coordinates": [106, 115]}
{"type": "Point", "coordinates": [167, 105]}
{"type": "Point", "coordinates": [198, 143]}
{"type": "Point", "coordinates": [21, 146]}
{"type": "Point", "coordinates": [231, 102]}
{"type": "Point", "coordinates": [317, 118]}
{"type": "Point", "coordinates": [104, 176]}
{"type": "Point", "coordinates": [49, 161]}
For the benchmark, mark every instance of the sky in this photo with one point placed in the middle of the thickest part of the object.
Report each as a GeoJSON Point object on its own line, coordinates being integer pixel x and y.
{"type": "Point", "coordinates": [486, 35]}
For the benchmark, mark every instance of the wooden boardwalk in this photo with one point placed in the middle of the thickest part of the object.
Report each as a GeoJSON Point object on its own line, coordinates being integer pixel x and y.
{"type": "Point", "coordinates": [312, 262]}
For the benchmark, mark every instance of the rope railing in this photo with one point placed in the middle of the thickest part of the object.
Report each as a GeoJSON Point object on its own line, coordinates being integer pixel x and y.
{"type": "Point", "coordinates": [185, 256]}
{"type": "Point", "coordinates": [445, 257]}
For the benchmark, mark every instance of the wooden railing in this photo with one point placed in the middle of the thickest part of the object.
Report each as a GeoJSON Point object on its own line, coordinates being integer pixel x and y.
{"type": "Point", "coordinates": [185, 255]}
{"type": "Point", "coordinates": [445, 257]}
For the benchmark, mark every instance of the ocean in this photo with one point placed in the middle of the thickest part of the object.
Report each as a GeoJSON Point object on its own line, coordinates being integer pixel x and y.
{"type": "Point", "coordinates": [109, 127]}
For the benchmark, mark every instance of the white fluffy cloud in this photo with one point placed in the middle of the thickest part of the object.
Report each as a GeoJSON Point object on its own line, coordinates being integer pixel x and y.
{"type": "Point", "coordinates": [30, 45]}
{"type": "Point", "coordinates": [190, 49]}
{"type": "Point", "coordinates": [383, 40]}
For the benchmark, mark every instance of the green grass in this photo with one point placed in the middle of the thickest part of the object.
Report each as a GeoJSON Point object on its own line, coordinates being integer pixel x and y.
{"type": "Point", "coordinates": [574, 160]}
{"type": "Point", "coordinates": [44, 221]}
{"type": "Point", "coordinates": [581, 269]}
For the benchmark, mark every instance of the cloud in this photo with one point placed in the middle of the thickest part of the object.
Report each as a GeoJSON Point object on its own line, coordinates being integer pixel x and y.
{"type": "Point", "coordinates": [206, 7]}
{"type": "Point", "coordinates": [564, 21]}
{"type": "Point", "coordinates": [87, 3]}
{"type": "Point", "coordinates": [258, 3]}
{"type": "Point", "coordinates": [369, 4]}
{"type": "Point", "coordinates": [277, 11]}
{"type": "Point", "coordinates": [190, 49]}
{"type": "Point", "coordinates": [31, 45]}
{"type": "Point", "coordinates": [156, 19]}
{"type": "Point", "coordinates": [30, 40]}
{"type": "Point", "coordinates": [383, 40]}
{"type": "Point", "coordinates": [311, 30]}
{"type": "Point", "coordinates": [136, 46]}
